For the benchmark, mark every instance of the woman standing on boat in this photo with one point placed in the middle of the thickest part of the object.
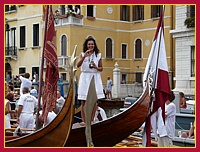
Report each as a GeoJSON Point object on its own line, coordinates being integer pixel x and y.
{"type": "Point", "coordinates": [91, 65]}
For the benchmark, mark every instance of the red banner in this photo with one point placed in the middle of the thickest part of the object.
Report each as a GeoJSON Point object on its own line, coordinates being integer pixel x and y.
{"type": "Point", "coordinates": [50, 87]}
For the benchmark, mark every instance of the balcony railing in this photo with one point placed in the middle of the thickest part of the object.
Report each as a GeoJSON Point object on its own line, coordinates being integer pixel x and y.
{"type": "Point", "coordinates": [62, 62]}
{"type": "Point", "coordinates": [11, 52]}
{"type": "Point", "coordinates": [66, 19]}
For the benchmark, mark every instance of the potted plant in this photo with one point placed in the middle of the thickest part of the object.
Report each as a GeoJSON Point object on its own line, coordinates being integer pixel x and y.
{"type": "Point", "coordinates": [190, 22]}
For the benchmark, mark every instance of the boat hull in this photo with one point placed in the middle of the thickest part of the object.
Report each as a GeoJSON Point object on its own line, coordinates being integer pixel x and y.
{"type": "Point", "coordinates": [113, 130]}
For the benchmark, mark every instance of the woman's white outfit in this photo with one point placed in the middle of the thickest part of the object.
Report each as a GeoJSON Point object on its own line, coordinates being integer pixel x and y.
{"type": "Point", "coordinates": [7, 116]}
{"type": "Point", "coordinates": [86, 77]}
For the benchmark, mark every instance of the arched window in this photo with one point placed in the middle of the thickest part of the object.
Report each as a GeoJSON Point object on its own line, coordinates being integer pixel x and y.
{"type": "Point", "coordinates": [108, 48]}
{"type": "Point", "coordinates": [138, 49]}
{"type": "Point", "coordinates": [63, 45]}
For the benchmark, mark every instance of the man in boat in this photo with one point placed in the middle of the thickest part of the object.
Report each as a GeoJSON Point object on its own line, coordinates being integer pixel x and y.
{"type": "Point", "coordinates": [25, 82]}
{"type": "Point", "coordinates": [27, 103]}
{"type": "Point", "coordinates": [99, 114]}
{"type": "Point", "coordinates": [190, 134]}
{"type": "Point", "coordinates": [170, 116]}
{"type": "Point", "coordinates": [51, 116]}
{"type": "Point", "coordinates": [59, 103]}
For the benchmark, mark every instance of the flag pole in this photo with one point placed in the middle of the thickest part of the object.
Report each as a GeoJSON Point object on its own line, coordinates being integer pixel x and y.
{"type": "Point", "coordinates": [38, 126]}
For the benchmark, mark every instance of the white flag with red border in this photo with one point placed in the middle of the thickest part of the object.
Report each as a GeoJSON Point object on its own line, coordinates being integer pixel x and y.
{"type": "Point", "coordinates": [156, 73]}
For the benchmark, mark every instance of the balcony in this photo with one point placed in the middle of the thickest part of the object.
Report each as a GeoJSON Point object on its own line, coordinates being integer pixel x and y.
{"type": "Point", "coordinates": [11, 52]}
{"type": "Point", "coordinates": [10, 8]}
{"type": "Point", "coordinates": [67, 19]}
{"type": "Point", "coordinates": [62, 62]}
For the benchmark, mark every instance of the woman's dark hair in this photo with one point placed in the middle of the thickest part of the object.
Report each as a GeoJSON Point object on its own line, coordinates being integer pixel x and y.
{"type": "Point", "coordinates": [172, 97]}
{"type": "Point", "coordinates": [10, 97]}
{"type": "Point", "coordinates": [11, 87]}
{"type": "Point", "coordinates": [85, 48]}
{"type": "Point", "coordinates": [181, 94]}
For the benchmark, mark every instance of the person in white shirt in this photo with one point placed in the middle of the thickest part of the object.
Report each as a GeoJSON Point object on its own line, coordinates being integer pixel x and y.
{"type": "Point", "coordinates": [170, 116]}
{"type": "Point", "coordinates": [59, 103]}
{"type": "Point", "coordinates": [99, 114]}
{"type": "Point", "coordinates": [9, 98]}
{"type": "Point", "coordinates": [109, 88]}
{"type": "Point", "coordinates": [51, 116]}
{"type": "Point", "coordinates": [27, 104]}
{"type": "Point", "coordinates": [33, 92]}
{"type": "Point", "coordinates": [77, 10]}
{"type": "Point", "coordinates": [25, 82]}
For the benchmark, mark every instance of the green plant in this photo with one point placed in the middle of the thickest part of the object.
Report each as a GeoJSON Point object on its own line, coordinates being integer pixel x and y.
{"type": "Point", "coordinates": [190, 22]}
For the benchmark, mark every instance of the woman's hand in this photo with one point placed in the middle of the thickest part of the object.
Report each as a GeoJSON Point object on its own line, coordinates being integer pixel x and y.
{"type": "Point", "coordinates": [87, 53]}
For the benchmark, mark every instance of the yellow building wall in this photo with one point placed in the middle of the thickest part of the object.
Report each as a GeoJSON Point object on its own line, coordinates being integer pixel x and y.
{"type": "Point", "coordinates": [104, 26]}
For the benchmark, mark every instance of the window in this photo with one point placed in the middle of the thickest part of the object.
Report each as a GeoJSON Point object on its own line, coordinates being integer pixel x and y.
{"type": "Point", "coordinates": [138, 49]}
{"type": "Point", "coordinates": [90, 11]}
{"type": "Point", "coordinates": [155, 11]}
{"type": "Point", "coordinates": [63, 45]}
{"type": "Point", "coordinates": [124, 50]}
{"type": "Point", "coordinates": [138, 77]}
{"type": "Point", "coordinates": [192, 61]}
{"type": "Point", "coordinates": [6, 8]}
{"type": "Point", "coordinates": [22, 70]}
{"type": "Point", "coordinates": [13, 40]}
{"type": "Point", "coordinates": [77, 9]}
{"type": "Point", "coordinates": [70, 6]}
{"type": "Point", "coordinates": [109, 48]}
{"type": "Point", "coordinates": [138, 12]}
{"type": "Point", "coordinates": [35, 34]}
{"type": "Point", "coordinates": [63, 76]}
{"type": "Point", "coordinates": [22, 36]}
{"type": "Point", "coordinates": [62, 9]}
{"type": "Point", "coordinates": [190, 11]}
{"type": "Point", "coordinates": [125, 13]}
{"type": "Point", "coordinates": [123, 81]}
{"type": "Point", "coordinates": [13, 7]}
{"type": "Point", "coordinates": [35, 69]}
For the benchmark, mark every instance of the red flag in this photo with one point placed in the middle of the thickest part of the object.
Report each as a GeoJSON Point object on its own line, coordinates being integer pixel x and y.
{"type": "Point", "coordinates": [157, 73]}
{"type": "Point", "coordinates": [51, 78]}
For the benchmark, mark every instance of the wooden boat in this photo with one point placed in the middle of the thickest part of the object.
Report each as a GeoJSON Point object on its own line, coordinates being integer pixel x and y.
{"type": "Point", "coordinates": [45, 137]}
{"type": "Point", "coordinates": [113, 130]}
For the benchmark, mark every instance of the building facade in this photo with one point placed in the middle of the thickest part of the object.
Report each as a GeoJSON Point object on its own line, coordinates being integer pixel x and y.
{"type": "Point", "coordinates": [124, 35]}
{"type": "Point", "coordinates": [185, 42]}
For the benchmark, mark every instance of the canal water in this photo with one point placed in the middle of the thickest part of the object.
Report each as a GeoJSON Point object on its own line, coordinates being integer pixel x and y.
{"type": "Point", "coordinates": [111, 111]}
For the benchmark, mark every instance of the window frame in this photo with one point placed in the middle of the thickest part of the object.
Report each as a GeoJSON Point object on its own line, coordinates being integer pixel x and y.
{"type": "Point", "coordinates": [109, 53]}
{"type": "Point", "coordinates": [138, 12]}
{"type": "Point", "coordinates": [22, 36]}
{"type": "Point", "coordinates": [136, 50]}
{"type": "Point", "coordinates": [125, 13]}
{"type": "Point", "coordinates": [122, 51]}
{"type": "Point", "coordinates": [36, 35]}
{"type": "Point", "coordinates": [61, 45]}
{"type": "Point", "coordinates": [156, 10]}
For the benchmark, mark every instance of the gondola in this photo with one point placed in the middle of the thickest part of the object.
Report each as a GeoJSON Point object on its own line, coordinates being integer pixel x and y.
{"type": "Point", "coordinates": [109, 132]}
{"type": "Point", "coordinates": [56, 133]}
{"type": "Point", "coordinates": [46, 137]}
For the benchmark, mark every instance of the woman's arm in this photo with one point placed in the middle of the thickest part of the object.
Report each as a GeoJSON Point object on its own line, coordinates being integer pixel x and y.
{"type": "Point", "coordinates": [100, 66]}
{"type": "Point", "coordinates": [81, 58]}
